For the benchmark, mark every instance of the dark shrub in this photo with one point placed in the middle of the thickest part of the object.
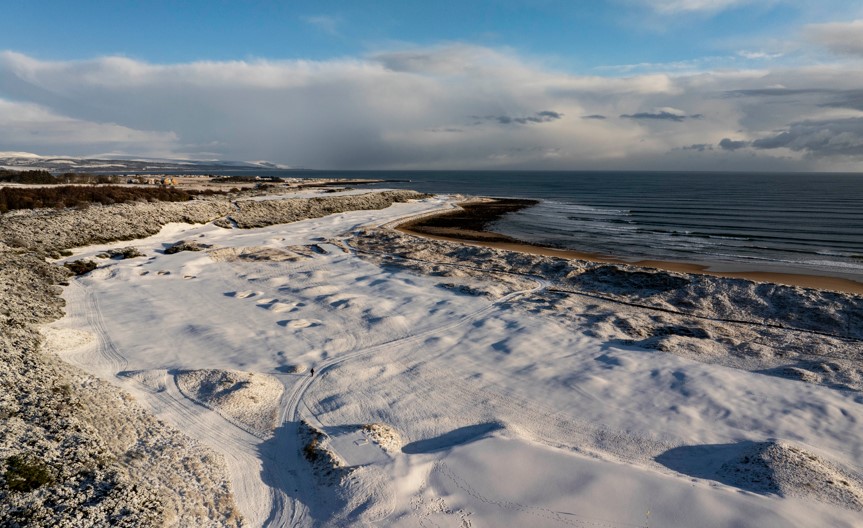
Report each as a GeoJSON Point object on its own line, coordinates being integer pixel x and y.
{"type": "Point", "coordinates": [30, 176]}
{"type": "Point", "coordinates": [25, 474]}
{"type": "Point", "coordinates": [80, 267]}
{"type": "Point", "coordinates": [183, 245]}
{"type": "Point", "coordinates": [123, 253]}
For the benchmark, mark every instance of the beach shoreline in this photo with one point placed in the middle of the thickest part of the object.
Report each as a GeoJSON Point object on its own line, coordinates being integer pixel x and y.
{"type": "Point", "coordinates": [472, 231]}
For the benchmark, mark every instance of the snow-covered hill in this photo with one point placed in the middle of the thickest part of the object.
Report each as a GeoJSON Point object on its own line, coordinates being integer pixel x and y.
{"type": "Point", "coordinates": [29, 161]}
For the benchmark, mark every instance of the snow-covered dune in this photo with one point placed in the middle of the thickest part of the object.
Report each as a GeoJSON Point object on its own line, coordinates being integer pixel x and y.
{"type": "Point", "coordinates": [419, 384]}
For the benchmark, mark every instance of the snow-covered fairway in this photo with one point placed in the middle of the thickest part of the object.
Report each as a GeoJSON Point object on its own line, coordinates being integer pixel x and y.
{"type": "Point", "coordinates": [500, 416]}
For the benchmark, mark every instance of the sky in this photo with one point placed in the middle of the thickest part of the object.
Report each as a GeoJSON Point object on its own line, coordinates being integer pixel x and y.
{"type": "Point", "coordinates": [719, 85]}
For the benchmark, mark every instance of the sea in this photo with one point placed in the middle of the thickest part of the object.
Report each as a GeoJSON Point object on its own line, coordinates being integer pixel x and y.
{"type": "Point", "coordinates": [808, 223]}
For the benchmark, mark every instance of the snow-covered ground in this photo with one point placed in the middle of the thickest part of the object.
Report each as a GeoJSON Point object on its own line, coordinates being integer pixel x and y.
{"type": "Point", "coordinates": [489, 413]}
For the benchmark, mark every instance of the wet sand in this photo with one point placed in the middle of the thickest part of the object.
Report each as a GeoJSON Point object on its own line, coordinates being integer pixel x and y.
{"type": "Point", "coordinates": [468, 226]}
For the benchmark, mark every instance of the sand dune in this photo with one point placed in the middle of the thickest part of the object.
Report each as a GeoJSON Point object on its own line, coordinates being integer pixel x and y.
{"type": "Point", "coordinates": [458, 385]}
{"type": "Point", "coordinates": [248, 398]}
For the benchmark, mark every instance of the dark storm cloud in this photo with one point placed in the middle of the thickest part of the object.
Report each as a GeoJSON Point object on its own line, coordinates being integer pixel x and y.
{"type": "Point", "coordinates": [776, 92]}
{"type": "Point", "coordinates": [546, 116]}
{"type": "Point", "coordinates": [661, 116]}
{"type": "Point", "coordinates": [824, 98]}
{"type": "Point", "coordinates": [828, 98]}
{"type": "Point", "coordinates": [837, 137]}
{"type": "Point", "coordinates": [698, 147]}
{"type": "Point", "coordinates": [594, 116]}
{"type": "Point", "coordinates": [848, 99]}
{"type": "Point", "coordinates": [730, 144]}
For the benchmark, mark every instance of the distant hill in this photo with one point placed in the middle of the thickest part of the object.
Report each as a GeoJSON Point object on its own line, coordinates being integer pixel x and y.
{"type": "Point", "coordinates": [57, 164]}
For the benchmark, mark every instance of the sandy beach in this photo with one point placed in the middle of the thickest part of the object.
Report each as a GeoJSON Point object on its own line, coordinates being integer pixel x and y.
{"type": "Point", "coordinates": [343, 372]}
{"type": "Point", "coordinates": [471, 235]}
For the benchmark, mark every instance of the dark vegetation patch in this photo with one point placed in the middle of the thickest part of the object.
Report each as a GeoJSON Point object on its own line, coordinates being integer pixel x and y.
{"type": "Point", "coordinates": [62, 196]}
{"type": "Point", "coordinates": [121, 253]}
{"type": "Point", "coordinates": [463, 289]}
{"type": "Point", "coordinates": [30, 177]}
{"type": "Point", "coordinates": [636, 282]}
{"type": "Point", "coordinates": [312, 450]}
{"type": "Point", "coordinates": [327, 468]}
{"type": "Point", "coordinates": [25, 474]}
{"type": "Point", "coordinates": [42, 177]}
{"type": "Point", "coordinates": [184, 245]}
{"type": "Point", "coordinates": [81, 267]}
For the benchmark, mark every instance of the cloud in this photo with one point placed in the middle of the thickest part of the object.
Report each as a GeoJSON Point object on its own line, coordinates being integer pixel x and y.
{"type": "Point", "coordinates": [778, 92]}
{"type": "Point", "coordinates": [839, 37]}
{"type": "Point", "coordinates": [26, 126]}
{"type": "Point", "coordinates": [546, 116]}
{"type": "Point", "coordinates": [452, 60]}
{"type": "Point", "coordinates": [693, 6]}
{"type": "Point", "coordinates": [846, 99]}
{"type": "Point", "coordinates": [407, 108]}
{"type": "Point", "coordinates": [700, 147]}
{"type": "Point", "coordinates": [758, 55]}
{"type": "Point", "coordinates": [448, 130]}
{"type": "Point", "coordinates": [730, 144]}
{"type": "Point", "coordinates": [326, 23]}
{"type": "Point", "coordinates": [663, 114]}
{"type": "Point", "coordinates": [823, 97]}
{"type": "Point", "coordinates": [683, 66]}
{"type": "Point", "coordinates": [838, 137]}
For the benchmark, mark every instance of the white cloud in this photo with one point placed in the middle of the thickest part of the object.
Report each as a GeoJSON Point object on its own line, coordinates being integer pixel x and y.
{"type": "Point", "coordinates": [326, 23]}
{"type": "Point", "coordinates": [457, 106]}
{"type": "Point", "coordinates": [28, 126]}
{"type": "Point", "coordinates": [758, 55]}
{"type": "Point", "coordinates": [693, 6]}
{"type": "Point", "coordinates": [839, 37]}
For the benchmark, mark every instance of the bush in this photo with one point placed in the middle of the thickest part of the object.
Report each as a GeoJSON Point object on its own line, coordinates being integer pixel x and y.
{"type": "Point", "coordinates": [24, 474]}
{"type": "Point", "coordinates": [80, 267]}
{"type": "Point", "coordinates": [121, 253]}
{"type": "Point", "coordinates": [30, 176]}
{"type": "Point", "coordinates": [183, 245]}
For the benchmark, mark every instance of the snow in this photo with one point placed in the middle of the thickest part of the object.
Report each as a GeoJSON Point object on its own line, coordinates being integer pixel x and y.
{"type": "Point", "coordinates": [13, 154]}
{"type": "Point", "coordinates": [443, 405]}
{"type": "Point", "coordinates": [22, 167]}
